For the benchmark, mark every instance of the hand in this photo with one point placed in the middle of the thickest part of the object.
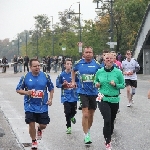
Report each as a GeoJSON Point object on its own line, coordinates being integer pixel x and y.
{"type": "Point", "coordinates": [65, 82]}
{"type": "Point", "coordinates": [130, 73]}
{"type": "Point", "coordinates": [73, 84]}
{"type": "Point", "coordinates": [49, 102]}
{"type": "Point", "coordinates": [125, 73]}
{"type": "Point", "coordinates": [112, 83]}
{"type": "Point", "coordinates": [29, 92]}
{"type": "Point", "coordinates": [97, 85]}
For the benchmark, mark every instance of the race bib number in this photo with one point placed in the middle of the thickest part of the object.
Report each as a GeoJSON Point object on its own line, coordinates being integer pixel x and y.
{"type": "Point", "coordinates": [37, 94]}
{"type": "Point", "coordinates": [88, 77]}
{"type": "Point", "coordinates": [99, 98]}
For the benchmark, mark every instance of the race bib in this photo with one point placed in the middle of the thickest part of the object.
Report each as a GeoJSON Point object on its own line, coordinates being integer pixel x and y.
{"type": "Point", "coordinates": [99, 98]}
{"type": "Point", "coordinates": [37, 94]}
{"type": "Point", "coordinates": [88, 77]}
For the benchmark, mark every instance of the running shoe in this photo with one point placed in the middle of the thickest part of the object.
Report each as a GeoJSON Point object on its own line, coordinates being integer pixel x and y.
{"type": "Point", "coordinates": [73, 120]}
{"type": "Point", "coordinates": [108, 146]}
{"type": "Point", "coordinates": [34, 145]}
{"type": "Point", "coordinates": [39, 134]}
{"type": "Point", "coordinates": [68, 130]}
{"type": "Point", "coordinates": [87, 140]}
{"type": "Point", "coordinates": [129, 105]}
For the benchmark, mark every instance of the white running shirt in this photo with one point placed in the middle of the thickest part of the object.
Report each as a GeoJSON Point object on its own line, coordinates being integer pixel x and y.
{"type": "Point", "coordinates": [129, 66]}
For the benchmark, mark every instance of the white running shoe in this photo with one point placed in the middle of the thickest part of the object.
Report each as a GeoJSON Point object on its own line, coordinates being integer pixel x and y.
{"type": "Point", "coordinates": [129, 105]}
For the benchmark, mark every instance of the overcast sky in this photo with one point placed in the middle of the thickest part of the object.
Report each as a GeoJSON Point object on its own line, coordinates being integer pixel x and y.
{"type": "Point", "coordinates": [17, 15]}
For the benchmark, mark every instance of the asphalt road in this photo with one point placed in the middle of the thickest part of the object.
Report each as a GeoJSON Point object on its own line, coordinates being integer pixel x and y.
{"type": "Point", "coordinates": [132, 128]}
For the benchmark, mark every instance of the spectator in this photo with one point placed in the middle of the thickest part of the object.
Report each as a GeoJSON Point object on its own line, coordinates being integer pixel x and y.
{"type": "Point", "coordinates": [26, 62]}
{"type": "Point", "coordinates": [20, 62]}
{"type": "Point", "coordinates": [15, 60]}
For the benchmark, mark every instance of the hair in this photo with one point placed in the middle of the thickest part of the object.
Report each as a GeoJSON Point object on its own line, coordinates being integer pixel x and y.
{"type": "Point", "coordinates": [128, 51]}
{"type": "Point", "coordinates": [67, 59]}
{"type": "Point", "coordinates": [106, 51]}
{"type": "Point", "coordinates": [87, 47]}
{"type": "Point", "coordinates": [31, 60]}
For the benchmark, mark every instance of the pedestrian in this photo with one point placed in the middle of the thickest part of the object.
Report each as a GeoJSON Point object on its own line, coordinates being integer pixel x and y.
{"type": "Point", "coordinates": [86, 69]}
{"type": "Point", "coordinates": [130, 66]}
{"type": "Point", "coordinates": [4, 62]}
{"type": "Point", "coordinates": [20, 62]}
{"type": "Point", "coordinates": [109, 80]}
{"type": "Point", "coordinates": [26, 62]}
{"type": "Point", "coordinates": [69, 96]}
{"type": "Point", "coordinates": [15, 61]}
{"type": "Point", "coordinates": [34, 86]}
{"type": "Point", "coordinates": [55, 64]}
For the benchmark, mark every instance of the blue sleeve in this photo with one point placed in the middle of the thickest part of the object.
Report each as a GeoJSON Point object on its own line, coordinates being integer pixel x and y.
{"type": "Point", "coordinates": [59, 81]}
{"type": "Point", "coordinates": [75, 67]}
{"type": "Point", "coordinates": [21, 84]}
{"type": "Point", "coordinates": [50, 84]}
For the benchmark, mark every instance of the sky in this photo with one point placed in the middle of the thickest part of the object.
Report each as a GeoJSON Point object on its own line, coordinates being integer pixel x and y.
{"type": "Point", "coordinates": [18, 15]}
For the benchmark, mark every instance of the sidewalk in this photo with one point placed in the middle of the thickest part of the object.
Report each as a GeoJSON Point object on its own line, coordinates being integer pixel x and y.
{"type": "Point", "coordinates": [8, 141]}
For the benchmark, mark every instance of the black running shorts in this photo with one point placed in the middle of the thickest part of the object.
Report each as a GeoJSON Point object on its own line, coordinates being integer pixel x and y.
{"type": "Point", "coordinates": [132, 83]}
{"type": "Point", "coordinates": [41, 118]}
{"type": "Point", "coordinates": [88, 101]}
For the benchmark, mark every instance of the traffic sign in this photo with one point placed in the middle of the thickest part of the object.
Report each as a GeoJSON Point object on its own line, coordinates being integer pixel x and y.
{"type": "Point", "coordinates": [111, 43]}
{"type": "Point", "coordinates": [63, 48]}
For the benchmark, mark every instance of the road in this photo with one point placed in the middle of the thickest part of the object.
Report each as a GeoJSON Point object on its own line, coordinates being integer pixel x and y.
{"type": "Point", "coordinates": [132, 128]}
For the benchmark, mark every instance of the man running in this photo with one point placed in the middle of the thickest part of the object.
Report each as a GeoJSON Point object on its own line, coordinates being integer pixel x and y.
{"type": "Point", "coordinates": [86, 69]}
{"type": "Point", "coordinates": [34, 86]}
{"type": "Point", "coordinates": [130, 66]}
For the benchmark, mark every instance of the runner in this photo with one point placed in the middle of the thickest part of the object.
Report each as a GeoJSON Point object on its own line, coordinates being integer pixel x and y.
{"type": "Point", "coordinates": [86, 69]}
{"type": "Point", "coordinates": [34, 87]}
{"type": "Point", "coordinates": [109, 80]}
{"type": "Point", "coordinates": [130, 66]}
{"type": "Point", "coordinates": [69, 94]}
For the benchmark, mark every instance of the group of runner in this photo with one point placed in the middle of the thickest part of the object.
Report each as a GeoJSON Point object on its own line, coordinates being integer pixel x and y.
{"type": "Point", "coordinates": [95, 84]}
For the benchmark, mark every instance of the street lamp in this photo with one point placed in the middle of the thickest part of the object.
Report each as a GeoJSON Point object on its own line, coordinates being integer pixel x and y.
{"type": "Point", "coordinates": [52, 37]}
{"type": "Point", "coordinates": [26, 43]}
{"type": "Point", "coordinates": [80, 36]}
{"type": "Point", "coordinates": [35, 33]}
{"type": "Point", "coordinates": [18, 41]}
{"type": "Point", "coordinates": [99, 10]}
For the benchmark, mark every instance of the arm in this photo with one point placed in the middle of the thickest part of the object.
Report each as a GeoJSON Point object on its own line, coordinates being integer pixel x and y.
{"type": "Point", "coordinates": [96, 81]}
{"type": "Point", "coordinates": [59, 82]}
{"type": "Point", "coordinates": [137, 67]}
{"type": "Point", "coordinates": [51, 91]}
{"type": "Point", "coordinates": [49, 102]}
{"type": "Point", "coordinates": [73, 74]}
{"type": "Point", "coordinates": [121, 84]}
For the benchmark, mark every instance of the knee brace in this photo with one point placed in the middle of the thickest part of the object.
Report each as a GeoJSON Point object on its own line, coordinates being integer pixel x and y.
{"type": "Point", "coordinates": [133, 91]}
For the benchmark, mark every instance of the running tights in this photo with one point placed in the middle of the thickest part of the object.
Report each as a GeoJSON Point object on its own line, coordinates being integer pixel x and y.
{"type": "Point", "coordinates": [108, 111]}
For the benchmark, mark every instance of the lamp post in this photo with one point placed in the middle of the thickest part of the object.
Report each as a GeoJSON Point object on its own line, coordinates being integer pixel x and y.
{"type": "Point", "coordinates": [80, 35]}
{"type": "Point", "coordinates": [36, 32]}
{"type": "Point", "coordinates": [98, 10]}
{"type": "Point", "coordinates": [52, 37]}
{"type": "Point", "coordinates": [26, 43]}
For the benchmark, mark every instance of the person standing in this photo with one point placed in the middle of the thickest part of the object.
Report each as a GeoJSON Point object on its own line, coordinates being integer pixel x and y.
{"type": "Point", "coordinates": [4, 62]}
{"type": "Point", "coordinates": [34, 86]}
{"type": "Point", "coordinates": [86, 69]}
{"type": "Point", "coordinates": [130, 66]}
{"type": "Point", "coordinates": [26, 62]}
{"type": "Point", "coordinates": [109, 80]}
{"type": "Point", "coordinates": [55, 64]}
{"type": "Point", "coordinates": [69, 96]}
{"type": "Point", "coordinates": [20, 62]}
{"type": "Point", "coordinates": [15, 60]}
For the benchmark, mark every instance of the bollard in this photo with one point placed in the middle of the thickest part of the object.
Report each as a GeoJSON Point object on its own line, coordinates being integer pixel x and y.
{"type": "Point", "coordinates": [1, 132]}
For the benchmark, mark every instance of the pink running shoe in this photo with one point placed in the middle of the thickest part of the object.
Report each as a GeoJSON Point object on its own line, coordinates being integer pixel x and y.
{"type": "Point", "coordinates": [34, 145]}
{"type": "Point", "coordinates": [39, 135]}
